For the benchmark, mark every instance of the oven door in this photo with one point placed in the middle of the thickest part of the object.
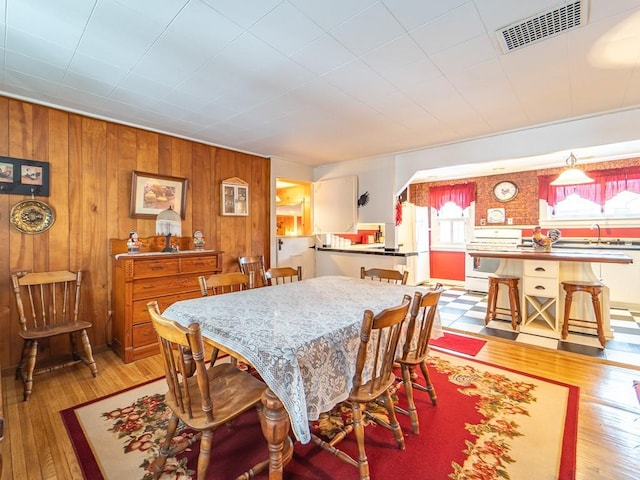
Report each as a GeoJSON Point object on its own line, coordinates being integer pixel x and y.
{"type": "Point", "coordinates": [477, 271]}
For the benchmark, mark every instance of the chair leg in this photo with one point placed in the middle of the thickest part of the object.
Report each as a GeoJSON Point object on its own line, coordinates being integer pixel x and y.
{"type": "Point", "coordinates": [165, 448]}
{"type": "Point", "coordinates": [430, 389]}
{"type": "Point", "coordinates": [387, 401]}
{"type": "Point", "coordinates": [88, 353]}
{"type": "Point", "coordinates": [595, 300]}
{"type": "Point", "coordinates": [30, 367]}
{"type": "Point", "coordinates": [408, 390]}
{"type": "Point", "coordinates": [358, 427]}
{"type": "Point", "coordinates": [567, 311]}
{"type": "Point", "coordinates": [26, 346]}
{"type": "Point", "coordinates": [205, 453]}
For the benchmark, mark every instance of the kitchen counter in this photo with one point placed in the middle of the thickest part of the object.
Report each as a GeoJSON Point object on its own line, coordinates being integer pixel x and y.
{"type": "Point", "coordinates": [597, 256]}
{"type": "Point", "coordinates": [371, 250]}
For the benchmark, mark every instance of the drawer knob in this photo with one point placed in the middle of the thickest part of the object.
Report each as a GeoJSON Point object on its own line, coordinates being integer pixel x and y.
{"type": "Point", "coordinates": [540, 269]}
{"type": "Point", "coordinates": [540, 287]}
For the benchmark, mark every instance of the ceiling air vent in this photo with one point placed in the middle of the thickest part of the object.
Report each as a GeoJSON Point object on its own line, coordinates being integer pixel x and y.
{"type": "Point", "coordinates": [542, 25]}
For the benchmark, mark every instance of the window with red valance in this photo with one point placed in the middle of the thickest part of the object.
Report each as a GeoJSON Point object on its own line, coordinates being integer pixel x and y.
{"type": "Point", "coordinates": [607, 184]}
{"type": "Point", "coordinates": [461, 194]}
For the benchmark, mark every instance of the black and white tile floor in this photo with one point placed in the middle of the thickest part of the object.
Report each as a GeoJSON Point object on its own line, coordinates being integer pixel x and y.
{"type": "Point", "coordinates": [465, 311]}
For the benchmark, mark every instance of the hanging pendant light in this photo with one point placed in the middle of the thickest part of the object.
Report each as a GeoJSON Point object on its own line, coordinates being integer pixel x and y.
{"type": "Point", "coordinates": [572, 175]}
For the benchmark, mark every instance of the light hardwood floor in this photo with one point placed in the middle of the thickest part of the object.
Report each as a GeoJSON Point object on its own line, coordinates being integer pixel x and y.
{"type": "Point", "coordinates": [36, 445]}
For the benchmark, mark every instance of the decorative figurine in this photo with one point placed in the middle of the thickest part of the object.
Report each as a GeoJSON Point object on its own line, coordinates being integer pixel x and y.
{"type": "Point", "coordinates": [540, 241]}
{"type": "Point", "coordinates": [134, 243]}
{"type": "Point", "coordinates": [198, 240]}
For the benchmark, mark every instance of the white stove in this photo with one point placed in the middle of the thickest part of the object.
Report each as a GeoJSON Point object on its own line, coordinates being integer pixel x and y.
{"type": "Point", "coordinates": [477, 270]}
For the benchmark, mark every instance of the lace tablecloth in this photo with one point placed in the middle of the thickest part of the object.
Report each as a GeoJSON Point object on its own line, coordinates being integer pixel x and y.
{"type": "Point", "coordinates": [301, 337]}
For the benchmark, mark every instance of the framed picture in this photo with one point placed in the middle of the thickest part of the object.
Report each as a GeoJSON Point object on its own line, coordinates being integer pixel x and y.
{"type": "Point", "coordinates": [151, 193]}
{"type": "Point", "coordinates": [235, 197]}
{"type": "Point", "coordinates": [24, 177]}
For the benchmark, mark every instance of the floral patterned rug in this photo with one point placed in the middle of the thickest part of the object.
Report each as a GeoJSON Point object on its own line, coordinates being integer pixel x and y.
{"type": "Point", "coordinates": [490, 423]}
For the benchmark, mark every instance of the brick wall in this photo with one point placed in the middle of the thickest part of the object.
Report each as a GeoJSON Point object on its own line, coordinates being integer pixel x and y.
{"type": "Point", "coordinates": [524, 208]}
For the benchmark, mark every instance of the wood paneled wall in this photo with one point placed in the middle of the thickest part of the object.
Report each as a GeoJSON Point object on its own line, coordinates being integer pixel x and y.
{"type": "Point", "coordinates": [90, 183]}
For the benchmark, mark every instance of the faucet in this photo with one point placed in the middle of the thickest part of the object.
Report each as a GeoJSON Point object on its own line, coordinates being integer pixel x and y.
{"type": "Point", "coordinates": [595, 225]}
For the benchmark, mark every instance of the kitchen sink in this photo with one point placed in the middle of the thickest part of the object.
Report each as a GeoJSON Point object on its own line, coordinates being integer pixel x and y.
{"type": "Point", "coordinates": [597, 246]}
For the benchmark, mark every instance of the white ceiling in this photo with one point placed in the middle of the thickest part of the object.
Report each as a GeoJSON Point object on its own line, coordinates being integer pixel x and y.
{"type": "Point", "coordinates": [317, 81]}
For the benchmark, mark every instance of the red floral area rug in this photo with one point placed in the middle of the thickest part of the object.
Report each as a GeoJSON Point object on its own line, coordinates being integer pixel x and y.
{"type": "Point", "coordinates": [490, 423]}
{"type": "Point", "coordinates": [459, 343]}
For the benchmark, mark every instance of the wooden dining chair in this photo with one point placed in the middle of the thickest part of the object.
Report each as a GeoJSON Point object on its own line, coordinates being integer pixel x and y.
{"type": "Point", "coordinates": [218, 284]}
{"type": "Point", "coordinates": [223, 283]}
{"type": "Point", "coordinates": [210, 398]}
{"type": "Point", "coordinates": [280, 275]}
{"type": "Point", "coordinates": [254, 268]}
{"type": "Point", "coordinates": [379, 336]}
{"type": "Point", "coordinates": [49, 306]}
{"type": "Point", "coordinates": [415, 350]}
{"type": "Point", "coordinates": [385, 275]}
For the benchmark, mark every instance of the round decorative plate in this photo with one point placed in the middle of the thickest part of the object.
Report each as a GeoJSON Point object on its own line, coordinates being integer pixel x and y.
{"type": "Point", "coordinates": [32, 216]}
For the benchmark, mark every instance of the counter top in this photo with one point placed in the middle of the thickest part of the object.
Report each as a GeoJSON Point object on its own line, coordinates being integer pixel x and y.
{"type": "Point", "coordinates": [564, 255]}
{"type": "Point", "coordinates": [370, 250]}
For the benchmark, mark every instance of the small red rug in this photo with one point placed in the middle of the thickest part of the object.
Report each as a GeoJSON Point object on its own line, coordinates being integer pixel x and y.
{"type": "Point", "coordinates": [490, 423]}
{"type": "Point", "coordinates": [459, 343]}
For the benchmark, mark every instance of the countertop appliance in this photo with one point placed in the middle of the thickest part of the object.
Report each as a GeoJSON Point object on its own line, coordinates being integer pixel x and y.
{"type": "Point", "coordinates": [477, 270]}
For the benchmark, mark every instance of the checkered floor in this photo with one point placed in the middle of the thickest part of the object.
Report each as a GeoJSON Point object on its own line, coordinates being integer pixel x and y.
{"type": "Point", "coordinates": [464, 310]}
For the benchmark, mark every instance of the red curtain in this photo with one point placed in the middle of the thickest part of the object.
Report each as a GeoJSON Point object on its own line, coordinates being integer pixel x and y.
{"type": "Point", "coordinates": [607, 184]}
{"type": "Point", "coordinates": [461, 194]}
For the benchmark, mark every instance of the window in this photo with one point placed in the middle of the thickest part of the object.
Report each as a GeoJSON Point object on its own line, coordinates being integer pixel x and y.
{"type": "Point", "coordinates": [615, 194]}
{"type": "Point", "coordinates": [451, 208]}
{"type": "Point", "coordinates": [450, 225]}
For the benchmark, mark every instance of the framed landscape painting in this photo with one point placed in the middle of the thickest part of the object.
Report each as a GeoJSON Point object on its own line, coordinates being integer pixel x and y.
{"type": "Point", "coordinates": [151, 193]}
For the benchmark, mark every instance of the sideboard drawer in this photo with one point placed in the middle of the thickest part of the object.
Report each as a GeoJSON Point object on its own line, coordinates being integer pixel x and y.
{"type": "Point", "coordinates": [162, 286]}
{"type": "Point", "coordinates": [143, 334]}
{"type": "Point", "coordinates": [151, 267]}
{"type": "Point", "coordinates": [199, 265]}
{"type": "Point", "coordinates": [140, 314]}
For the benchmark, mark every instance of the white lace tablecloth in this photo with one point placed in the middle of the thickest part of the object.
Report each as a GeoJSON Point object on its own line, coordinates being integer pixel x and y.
{"type": "Point", "coordinates": [301, 337]}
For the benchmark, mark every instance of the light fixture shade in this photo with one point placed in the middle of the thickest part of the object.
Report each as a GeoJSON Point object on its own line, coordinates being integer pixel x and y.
{"type": "Point", "coordinates": [169, 222]}
{"type": "Point", "coordinates": [572, 175]}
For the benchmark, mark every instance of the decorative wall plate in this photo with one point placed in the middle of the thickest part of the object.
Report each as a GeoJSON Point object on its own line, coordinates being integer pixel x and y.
{"type": "Point", "coordinates": [495, 215]}
{"type": "Point", "coordinates": [32, 216]}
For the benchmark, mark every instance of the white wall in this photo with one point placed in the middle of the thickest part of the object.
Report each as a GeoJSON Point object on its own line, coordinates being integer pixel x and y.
{"type": "Point", "coordinates": [579, 133]}
{"type": "Point", "coordinates": [375, 175]}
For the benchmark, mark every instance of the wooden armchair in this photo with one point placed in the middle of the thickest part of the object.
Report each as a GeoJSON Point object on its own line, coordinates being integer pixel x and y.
{"type": "Point", "coordinates": [254, 268]}
{"type": "Point", "coordinates": [383, 332]}
{"type": "Point", "coordinates": [51, 309]}
{"type": "Point", "coordinates": [212, 397]}
{"type": "Point", "coordinates": [416, 349]}
{"type": "Point", "coordinates": [385, 275]}
{"type": "Point", "coordinates": [276, 276]}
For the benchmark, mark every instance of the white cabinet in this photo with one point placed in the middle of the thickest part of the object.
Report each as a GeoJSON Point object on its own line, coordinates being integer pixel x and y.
{"type": "Point", "coordinates": [540, 290]}
{"type": "Point", "coordinates": [622, 279]}
{"type": "Point", "coordinates": [335, 205]}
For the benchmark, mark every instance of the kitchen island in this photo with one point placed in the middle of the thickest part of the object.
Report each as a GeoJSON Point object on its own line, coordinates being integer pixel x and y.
{"type": "Point", "coordinates": [541, 273]}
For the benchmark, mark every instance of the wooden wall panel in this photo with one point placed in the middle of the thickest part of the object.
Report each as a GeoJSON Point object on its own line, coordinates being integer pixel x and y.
{"type": "Point", "coordinates": [90, 165]}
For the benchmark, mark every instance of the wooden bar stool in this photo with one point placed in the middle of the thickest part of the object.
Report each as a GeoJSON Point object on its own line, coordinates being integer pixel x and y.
{"type": "Point", "coordinates": [514, 299]}
{"type": "Point", "coordinates": [592, 288]}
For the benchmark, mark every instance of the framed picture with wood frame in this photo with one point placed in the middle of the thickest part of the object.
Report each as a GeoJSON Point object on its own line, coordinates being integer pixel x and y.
{"type": "Point", "coordinates": [151, 193]}
{"type": "Point", "coordinates": [24, 177]}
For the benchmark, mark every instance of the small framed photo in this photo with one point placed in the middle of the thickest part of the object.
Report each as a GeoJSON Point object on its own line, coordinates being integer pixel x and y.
{"type": "Point", "coordinates": [235, 197]}
{"type": "Point", "coordinates": [24, 177]}
{"type": "Point", "coordinates": [151, 193]}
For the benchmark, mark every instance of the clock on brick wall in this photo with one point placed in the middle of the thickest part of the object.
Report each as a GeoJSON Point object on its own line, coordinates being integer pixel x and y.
{"type": "Point", "coordinates": [505, 191]}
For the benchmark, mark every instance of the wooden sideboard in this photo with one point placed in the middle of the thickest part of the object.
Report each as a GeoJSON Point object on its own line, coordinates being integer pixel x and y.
{"type": "Point", "coordinates": [142, 277]}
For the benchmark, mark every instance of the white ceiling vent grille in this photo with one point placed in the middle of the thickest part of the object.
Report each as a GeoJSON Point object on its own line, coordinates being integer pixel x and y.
{"type": "Point", "coordinates": [542, 25]}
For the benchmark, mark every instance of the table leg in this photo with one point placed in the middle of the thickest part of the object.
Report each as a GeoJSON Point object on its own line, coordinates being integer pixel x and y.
{"type": "Point", "coordinates": [275, 428]}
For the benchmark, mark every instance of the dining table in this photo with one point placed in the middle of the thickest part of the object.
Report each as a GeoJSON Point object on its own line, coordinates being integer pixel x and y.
{"type": "Point", "coordinates": [302, 339]}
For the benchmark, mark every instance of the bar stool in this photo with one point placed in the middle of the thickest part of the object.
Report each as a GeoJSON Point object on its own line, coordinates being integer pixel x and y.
{"type": "Point", "coordinates": [592, 288]}
{"type": "Point", "coordinates": [514, 299]}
